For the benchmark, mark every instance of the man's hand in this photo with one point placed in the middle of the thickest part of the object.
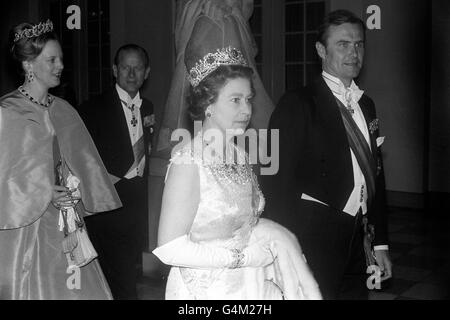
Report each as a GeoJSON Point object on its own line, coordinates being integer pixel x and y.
{"type": "Point", "coordinates": [385, 264]}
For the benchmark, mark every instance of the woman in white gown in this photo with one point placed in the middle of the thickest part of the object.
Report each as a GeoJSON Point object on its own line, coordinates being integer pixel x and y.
{"type": "Point", "coordinates": [210, 227]}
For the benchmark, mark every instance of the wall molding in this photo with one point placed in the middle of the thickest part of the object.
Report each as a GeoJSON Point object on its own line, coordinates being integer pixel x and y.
{"type": "Point", "coordinates": [429, 200]}
{"type": "Point", "coordinates": [405, 199]}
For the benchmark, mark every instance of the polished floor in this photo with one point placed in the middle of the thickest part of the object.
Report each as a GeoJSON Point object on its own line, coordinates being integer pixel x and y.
{"type": "Point", "coordinates": [420, 251]}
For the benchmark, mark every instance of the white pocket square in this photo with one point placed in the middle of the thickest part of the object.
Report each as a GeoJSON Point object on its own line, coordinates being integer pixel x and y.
{"type": "Point", "coordinates": [309, 198]}
{"type": "Point", "coordinates": [380, 141]}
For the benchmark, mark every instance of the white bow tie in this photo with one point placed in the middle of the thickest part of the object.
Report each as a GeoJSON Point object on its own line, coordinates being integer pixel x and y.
{"type": "Point", "coordinates": [134, 102]}
{"type": "Point", "coordinates": [351, 94]}
{"type": "Point", "coordinates": [132, 105]}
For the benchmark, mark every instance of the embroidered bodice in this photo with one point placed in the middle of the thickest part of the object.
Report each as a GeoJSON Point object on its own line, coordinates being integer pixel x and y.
{"type": "Point", "coordinates": [230, 198]}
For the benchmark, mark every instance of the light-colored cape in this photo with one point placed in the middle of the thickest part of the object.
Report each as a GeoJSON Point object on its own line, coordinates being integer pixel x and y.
{"type": "Point", "coordinates": [32, 263]}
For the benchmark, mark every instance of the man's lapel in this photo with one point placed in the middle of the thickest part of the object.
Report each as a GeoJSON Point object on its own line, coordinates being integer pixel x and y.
{"type": "Point", "coordinates": [120, 126]}
{"type": "Point", "coordinates": [145, 112]}
{"type": "Point", "coordinates": [368, 117]}
{"type": "Point", "coordinates": [334, 142]}
{"type": "Point", "coordinates": [119, 115]}
{"type": "Point", "coordinates": [330, 115]}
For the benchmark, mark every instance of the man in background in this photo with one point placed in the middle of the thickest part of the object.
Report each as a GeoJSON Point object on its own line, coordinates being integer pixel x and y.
{"type": "Point", "coordinates": [121, 123]}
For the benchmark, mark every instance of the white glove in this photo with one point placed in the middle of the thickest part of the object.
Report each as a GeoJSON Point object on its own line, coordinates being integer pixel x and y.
{"type": "Point", "coordinates": [182, 252]}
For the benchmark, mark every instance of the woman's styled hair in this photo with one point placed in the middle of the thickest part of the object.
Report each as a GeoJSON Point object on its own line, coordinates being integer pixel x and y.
{"type": "Point", "coordinates": [28, 48]}
{"type": "Point", "coordinates": [207, 91]}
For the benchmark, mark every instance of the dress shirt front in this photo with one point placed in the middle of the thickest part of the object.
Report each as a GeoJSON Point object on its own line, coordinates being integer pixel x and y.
{"type": "Point", "coordinates": [135, 131]}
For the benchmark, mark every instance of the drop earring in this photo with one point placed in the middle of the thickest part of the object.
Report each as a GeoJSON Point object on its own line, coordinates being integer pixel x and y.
{"type": "Point", "coordinates": [208, 113]}
{"type": "Point", "coordinates": [30, 76]}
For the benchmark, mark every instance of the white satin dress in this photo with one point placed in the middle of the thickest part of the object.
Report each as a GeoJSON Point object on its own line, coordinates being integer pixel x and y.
{"type": "Point", "coordinates": [228, 216]}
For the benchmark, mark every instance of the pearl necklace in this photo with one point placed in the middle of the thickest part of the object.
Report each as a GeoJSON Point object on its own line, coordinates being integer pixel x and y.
{"type": "Point", "coordinates": [26, 94]}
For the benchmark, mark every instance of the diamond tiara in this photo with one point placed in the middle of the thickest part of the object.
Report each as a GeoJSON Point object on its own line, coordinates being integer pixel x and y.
{"type": "Point", "coordinates": [34, 31]}
{"type": "Point", "coordinates": [210, 62]}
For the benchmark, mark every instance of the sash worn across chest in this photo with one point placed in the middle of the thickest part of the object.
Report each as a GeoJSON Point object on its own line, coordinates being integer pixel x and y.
{"type": "Point", "coordinates": [361, 149]}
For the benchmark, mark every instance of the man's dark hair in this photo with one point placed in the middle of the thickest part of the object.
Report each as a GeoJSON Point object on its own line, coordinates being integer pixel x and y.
{"type": "Point", "coordinates": [132, 47]}
{"type": "Point", "coordinates": [336, 18]}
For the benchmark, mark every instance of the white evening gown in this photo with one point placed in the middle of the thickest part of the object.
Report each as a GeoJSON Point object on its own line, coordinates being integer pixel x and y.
{"type": "Point", "coordinates": [228, 216]}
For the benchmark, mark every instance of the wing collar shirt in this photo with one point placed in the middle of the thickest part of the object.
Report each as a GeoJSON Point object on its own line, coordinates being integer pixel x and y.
{"type": "Point", "coordinates": [135, 131]}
